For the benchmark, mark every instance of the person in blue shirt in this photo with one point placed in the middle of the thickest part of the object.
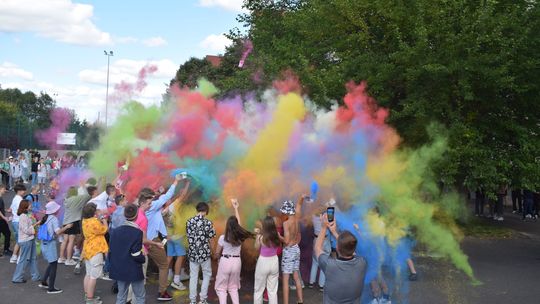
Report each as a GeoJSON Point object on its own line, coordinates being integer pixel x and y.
{"type": "Point", "coordinates": [157, 231]}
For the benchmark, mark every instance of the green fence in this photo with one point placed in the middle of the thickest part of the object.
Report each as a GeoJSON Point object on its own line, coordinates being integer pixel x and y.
{"type": "Point", "coordinates": [17, 136]}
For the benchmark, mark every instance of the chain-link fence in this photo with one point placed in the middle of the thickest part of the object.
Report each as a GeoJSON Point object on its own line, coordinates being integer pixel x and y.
{"type": "Point", "coordinates": [17, 136]}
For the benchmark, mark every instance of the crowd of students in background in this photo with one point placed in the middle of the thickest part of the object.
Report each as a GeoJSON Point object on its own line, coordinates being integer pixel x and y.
{"type": "Point", "coordinates": [524, 202]}
{"type": "Point", "coordinates": [30, 167]}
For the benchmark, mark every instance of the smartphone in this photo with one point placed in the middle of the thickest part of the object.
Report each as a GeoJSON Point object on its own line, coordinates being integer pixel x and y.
{"type": "Point", "coordinates": [330, 213]}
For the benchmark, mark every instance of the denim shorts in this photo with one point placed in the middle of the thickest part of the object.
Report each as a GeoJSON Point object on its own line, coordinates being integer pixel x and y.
{"type": "Point", "coordinates": [49, 251]}
{"type": "Point", "coordinates": [15, 226]}
{"type": "Point", "coordinates": [175, 248]}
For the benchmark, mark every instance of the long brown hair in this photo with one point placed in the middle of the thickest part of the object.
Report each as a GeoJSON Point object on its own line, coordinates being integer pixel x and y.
{"type": "Point", "coordinates": [23, 207]}
{"type": "Point", "coordinates": [269, 232]}
{"type": "Point", "coordinates": [234, 233]}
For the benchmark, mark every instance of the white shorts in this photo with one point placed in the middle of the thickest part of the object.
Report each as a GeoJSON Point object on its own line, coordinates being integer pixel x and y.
{"type": "Point", "coordinates": [94, 266]}
{"type": "Point", "coordinates": [290, 262]}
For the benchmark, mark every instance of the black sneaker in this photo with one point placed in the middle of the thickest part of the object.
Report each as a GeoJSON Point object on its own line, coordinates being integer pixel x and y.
{"type": "Point", "coordinates": [43, 285]}
{"type": "Point", "coordinates": [54, 291]}
{"type": "Point", "coordinates": [413, 277]}
{"type": "Point", "coordinates": [8, 252]}
{"type": "Point", "coordinates": [165, 296]}
{"type": "Point", "coordinates": [19, 282]}
{"type": "Point", "coordinates": [311, 285]}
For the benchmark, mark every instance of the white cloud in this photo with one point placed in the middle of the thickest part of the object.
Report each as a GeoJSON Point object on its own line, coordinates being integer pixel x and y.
{"type": "Point", "coordinates": [216, 43]}
{"type": "Point", "coordinates": [231, 5]}
{"type": "Point", "coordinates": [155, 42]}
{"type": "Point", "coordinates": [127, 70]}
{"type": "Point", "coordinates": [126, 40]}
{"type": "Point", "coordinates": [10, 70]}
{"type": "Point", "coordinates": [61, 20]}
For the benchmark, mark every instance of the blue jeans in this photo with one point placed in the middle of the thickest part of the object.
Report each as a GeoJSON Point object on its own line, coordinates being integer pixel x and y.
{"type": "Point", "coordinates": [315, 264]}
{"type": "Point", "coordinates": [34, 178]}
{"type": "Point", "coordinates": [28, 255]}
{"type": "Point", "coordinates": [138, 290]}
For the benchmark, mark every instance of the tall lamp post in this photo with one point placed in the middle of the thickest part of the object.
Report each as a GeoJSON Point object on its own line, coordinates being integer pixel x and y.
{"type": "Point", "coordinates": [108, 54]}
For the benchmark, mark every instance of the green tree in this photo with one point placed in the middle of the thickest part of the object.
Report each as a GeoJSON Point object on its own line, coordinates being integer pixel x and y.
{"type": "Point", "coordinates": [470, 66]}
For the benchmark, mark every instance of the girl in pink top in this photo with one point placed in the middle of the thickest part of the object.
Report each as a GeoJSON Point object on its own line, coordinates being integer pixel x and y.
{"type": "Point", "coordinates": [228, 252]}
{"type": "Point", "coordinates": [267, 269]}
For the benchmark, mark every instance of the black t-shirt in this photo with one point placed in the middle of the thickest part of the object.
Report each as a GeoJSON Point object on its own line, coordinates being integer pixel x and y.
{"type": "Point", "coordinates": [2, 207]}
{"type": "Point", "coordinates": [35, 166]}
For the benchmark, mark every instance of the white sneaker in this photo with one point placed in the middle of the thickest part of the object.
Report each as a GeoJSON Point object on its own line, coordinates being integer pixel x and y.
{"type": "Point", "coordinates": [61, 261]}
{"type": "Point", "coordinates": [184, 277]}
{"type": "Point", "coordinates": [500, 219]}
{"type": "Point", "coordinates": [70, 263]}
{"type": "Point", "coordinates": [105, 277]}
{"type": "Point", "coordinates": [13, 259]}
{"type": "Point", "coordinates": [178, 286]}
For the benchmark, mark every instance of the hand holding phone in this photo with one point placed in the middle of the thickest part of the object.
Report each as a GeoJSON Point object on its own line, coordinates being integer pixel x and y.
{"type": "Point", "coordinates": [330, 214]}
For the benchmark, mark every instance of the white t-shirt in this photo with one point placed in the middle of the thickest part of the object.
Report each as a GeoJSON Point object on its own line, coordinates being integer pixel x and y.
{"type": "Point", "coordinates": [228, 248]}
{"type": "Point", "coordinates": [100, 201]}
{"type": "Point", "coordinates": [42, 170]}
{"type": "Point", "coordinates": [15, 206]}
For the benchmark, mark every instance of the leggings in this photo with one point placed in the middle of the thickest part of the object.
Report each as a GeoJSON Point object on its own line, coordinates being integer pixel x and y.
{"type": "Point", "coordinates": [50, 273]}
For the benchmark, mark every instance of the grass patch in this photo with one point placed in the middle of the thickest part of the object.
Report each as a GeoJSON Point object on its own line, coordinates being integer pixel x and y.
{"type": "Point", "coordinates": [482, 228]}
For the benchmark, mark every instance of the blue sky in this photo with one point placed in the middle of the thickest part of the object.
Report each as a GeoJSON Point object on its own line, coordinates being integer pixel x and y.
{"type": "Point", "coordinates": [56, 46]}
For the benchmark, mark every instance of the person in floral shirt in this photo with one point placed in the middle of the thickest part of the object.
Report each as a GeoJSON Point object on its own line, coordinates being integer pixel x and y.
{"type": "Point", "coordinates": [200, 231]}
{"type": "Point", "coordinates": [94, 248]}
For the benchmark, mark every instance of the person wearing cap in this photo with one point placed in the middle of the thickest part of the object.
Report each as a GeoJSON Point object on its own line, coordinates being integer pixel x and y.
{"type": "Point", "coordinates": [49, 247]}
{"type": "Point", "coordinates": [290, 262]}
{"type": "Point", "coordinates": [127, 257]}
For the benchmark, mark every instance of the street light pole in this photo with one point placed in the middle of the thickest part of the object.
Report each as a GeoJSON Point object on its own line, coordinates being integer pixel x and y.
{"type": "Point", "coordinates": [108, 54]}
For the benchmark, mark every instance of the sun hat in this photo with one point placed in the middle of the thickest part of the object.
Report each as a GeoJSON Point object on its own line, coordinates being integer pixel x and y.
{"type": "Point", "coordinates": [51, 207]}
{"type": "Point", "coordinates": [287, 207]}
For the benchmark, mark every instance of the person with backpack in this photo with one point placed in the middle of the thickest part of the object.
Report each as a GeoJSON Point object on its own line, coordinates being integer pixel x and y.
{"type": "Point", "coordinates": [228, 253]}
{"type": "Point", "coordinates": [48, 232]}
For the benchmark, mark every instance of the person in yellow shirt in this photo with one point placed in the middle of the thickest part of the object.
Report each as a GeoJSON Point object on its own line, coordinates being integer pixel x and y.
{"type": "Point", "coordinates": [94, 248]}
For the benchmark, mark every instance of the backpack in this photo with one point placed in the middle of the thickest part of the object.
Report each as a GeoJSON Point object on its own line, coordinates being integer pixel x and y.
{"type": "Point", "coordinates": [43, 233]}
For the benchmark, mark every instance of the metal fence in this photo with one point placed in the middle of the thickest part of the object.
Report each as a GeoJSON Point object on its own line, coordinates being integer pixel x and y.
{"type": "Point", "coordinates": [17, 136]}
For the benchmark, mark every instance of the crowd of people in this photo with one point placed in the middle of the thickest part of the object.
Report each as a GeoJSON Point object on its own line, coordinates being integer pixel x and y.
{"type": "Point", "coordinates": [113, 239]}
{"type": "Point", "coordinates": [30, 167]}
{"type": "Point", "coordinates": [525, 202]}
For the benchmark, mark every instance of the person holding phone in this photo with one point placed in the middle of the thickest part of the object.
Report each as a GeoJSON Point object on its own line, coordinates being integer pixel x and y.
{"type": "Point", "coordinates": [344, 274]}
{"type": "Point", "coordinates": [317, 225]}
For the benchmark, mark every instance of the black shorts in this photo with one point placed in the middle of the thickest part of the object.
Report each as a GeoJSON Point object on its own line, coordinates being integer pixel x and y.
{"type": "Point", "coordinates": [75, 229]}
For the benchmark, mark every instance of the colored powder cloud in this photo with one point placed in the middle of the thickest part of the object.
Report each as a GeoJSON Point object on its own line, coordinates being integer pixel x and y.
{"type": "Point", "coordinates": [268, 150]}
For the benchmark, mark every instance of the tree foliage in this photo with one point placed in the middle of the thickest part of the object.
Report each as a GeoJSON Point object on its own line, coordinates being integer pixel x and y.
{"type": "Point", "coordinates": [472, 67]}
{"type": "Point", "coordinates": [22, 114]}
